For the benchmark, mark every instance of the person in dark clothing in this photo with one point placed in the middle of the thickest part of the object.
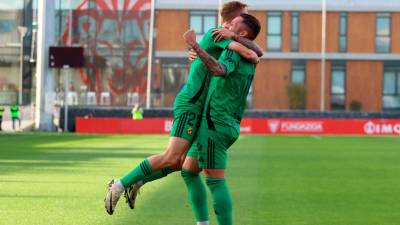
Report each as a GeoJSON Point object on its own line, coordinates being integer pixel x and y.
{"type": "Point", "coordinates": [1, 115]}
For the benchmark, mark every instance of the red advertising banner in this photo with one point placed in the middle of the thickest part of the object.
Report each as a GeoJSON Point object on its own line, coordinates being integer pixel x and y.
{"type": "Point", "coordinates": [249, 126]}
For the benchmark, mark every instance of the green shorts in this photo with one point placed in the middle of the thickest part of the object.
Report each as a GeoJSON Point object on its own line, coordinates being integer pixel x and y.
{"type": "Point", "coordinates": [185, 125]}
{"type": "Point", "coordinates": [211, 146]}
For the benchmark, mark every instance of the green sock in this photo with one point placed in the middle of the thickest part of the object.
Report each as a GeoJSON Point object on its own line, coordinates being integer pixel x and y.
{"type": "Point", "coordinates": [197, 195]}
{"type": "Point", "coordinates": [157, 175]}
{"type": "Point", "coordinates": [221, 200]}
{"type": "Point", "coordinates": [139, 173]}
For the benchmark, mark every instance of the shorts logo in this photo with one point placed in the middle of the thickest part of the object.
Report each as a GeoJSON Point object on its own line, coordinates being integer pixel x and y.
{"type": "Point", "coordinates": [190, 130]}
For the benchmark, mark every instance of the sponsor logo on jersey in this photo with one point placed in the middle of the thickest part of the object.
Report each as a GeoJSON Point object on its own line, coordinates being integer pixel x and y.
{"type": "Point", "coordinates": [190, 130]}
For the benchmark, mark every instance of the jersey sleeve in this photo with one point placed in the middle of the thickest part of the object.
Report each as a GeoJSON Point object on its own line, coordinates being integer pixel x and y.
{"type": "Point", "coordinates": [230, 60]}
{"type": "Point", "coordinates": [209, 40]}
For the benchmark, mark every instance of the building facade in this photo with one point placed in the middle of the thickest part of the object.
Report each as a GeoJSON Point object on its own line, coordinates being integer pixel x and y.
{"type": "Point", "coordinates": [362, 51]}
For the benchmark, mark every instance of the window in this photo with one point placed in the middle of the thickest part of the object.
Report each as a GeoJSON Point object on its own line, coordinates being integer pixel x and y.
{"type": "Point", "coordinates": [298, 73]}
{"type": "Point", "coordinates": [343, 32]}
{"type": "Point", "coordinates": [202, 21]}
{"type": "Point", "coordinates": [383, 33]}
{"type": "Point", "coordinates": [174, 73]}
{"type": "Point", "coordinates": [338, 86]}
{"type": "Point", "coordinates": [274, 35]}
{"type": "Point", "coordinates": [391, 87]}
{"type": "Point", "coordinates": [295, 32]}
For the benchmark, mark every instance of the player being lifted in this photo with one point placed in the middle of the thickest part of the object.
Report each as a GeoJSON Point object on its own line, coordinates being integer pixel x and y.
{"type": "Point", "coordinates": [220, 124]}
{"type": "Point", "coordinates": [188, 106]}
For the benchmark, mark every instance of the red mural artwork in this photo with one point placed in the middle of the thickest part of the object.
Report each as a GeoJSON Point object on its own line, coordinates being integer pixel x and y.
{"type": "Point", "coordinates": [115, 35]}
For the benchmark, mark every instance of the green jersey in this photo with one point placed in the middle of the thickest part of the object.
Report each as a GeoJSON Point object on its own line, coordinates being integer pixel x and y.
{"type": "Point", "coordinates": [194, 92]}
{"type": "Point", "coordinates": [14, 111]}
{"type": "Point", "coordinates": [1, 111]}
{"type": "Point", "coordinates": [226, 99]}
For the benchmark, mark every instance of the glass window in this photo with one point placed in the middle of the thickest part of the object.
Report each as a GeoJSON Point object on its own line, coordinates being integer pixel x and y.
{"type": "Point", "coordinates": [174, 73]}
{"type": "Point", "coordinates": [274, 25]}
{"type": "Point", "coordinates": [202, 21]}
{"type": "Point", "coordinates": [338, 86]}
{"type": "Point", "coordinates": [295, 31]}
{"type": "Point", "coordinates": [115, 72]}
{"type": "Point", "coordinates": [391, 87]}
{"type": "Point", "coordinates": [274, 34]}
{"type": "Point", "coordinates": [338, 81]}
{"type": "Point", "coordinates": [343, 32]}
{"type": "Point", "coordinates": [11, 16]}
{"type": "Point", "coordinates": [196, 24]}
{"type": "Point", "coordinates": [383, 32]}
{"type": "Point", "coordinates": [298, 73]}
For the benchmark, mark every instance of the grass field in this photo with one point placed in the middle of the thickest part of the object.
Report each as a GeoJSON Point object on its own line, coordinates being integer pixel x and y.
{"type": "Point", "coordinates": [52, 179]}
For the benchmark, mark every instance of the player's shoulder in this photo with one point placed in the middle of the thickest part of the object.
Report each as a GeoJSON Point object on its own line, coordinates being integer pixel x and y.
{"type": "Point", "coordinates": [228, 53]}
{"type": "Point", "coordinates": [208, 34]}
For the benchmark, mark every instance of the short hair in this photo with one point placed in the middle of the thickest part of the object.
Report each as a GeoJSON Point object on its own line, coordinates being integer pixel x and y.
{"type": "Point", "coordinates": [252, 23]}
{"type": "Point", "coordinates": [229, 8]}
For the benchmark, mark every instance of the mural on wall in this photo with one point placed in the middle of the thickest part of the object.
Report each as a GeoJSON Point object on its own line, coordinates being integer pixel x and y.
{"type": "Point", "coordinates": [115, 34]}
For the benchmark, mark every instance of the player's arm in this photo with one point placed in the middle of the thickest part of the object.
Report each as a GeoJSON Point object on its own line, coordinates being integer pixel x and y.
{"type": "Point", "coordinates": [223, 33]}
{"type": "Point", "coordinates": [246, 53]}
{"type": "Point", "coordinates": [212, 64]}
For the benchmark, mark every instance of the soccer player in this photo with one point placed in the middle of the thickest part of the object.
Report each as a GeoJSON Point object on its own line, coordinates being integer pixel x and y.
{"type": "Point", "coordinates": [220, 124]}
{"type": "Point", "coordinates": [188, 106]}
{"type": "Point", "coordinates": [14, 109]}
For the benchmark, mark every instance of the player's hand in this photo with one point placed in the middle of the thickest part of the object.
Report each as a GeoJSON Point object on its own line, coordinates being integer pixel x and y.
{"type": "Point", "coordinates": [190, 37]}
{"type": "Point", "coordinates": [222, 33]}
{"type": "Point", "coordinates": [192, 55]}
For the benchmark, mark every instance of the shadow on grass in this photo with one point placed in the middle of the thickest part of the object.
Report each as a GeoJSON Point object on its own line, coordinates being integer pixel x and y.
{"type": "Point", "coordinates": [59, 152]}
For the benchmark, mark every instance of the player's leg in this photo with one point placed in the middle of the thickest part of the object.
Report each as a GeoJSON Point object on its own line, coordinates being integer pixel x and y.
{"type": "Point", "coordinates": [196, 189]}
{"type": "Point", "coordinates": [160, 165]}
{"type": "Point", "coordinates": [171, 158]}
{"type": "Point", "coordinates": [222, 201]}
{"type": "Point", "coordinates": [182, 133]}
{"type": "Point", "coordinates": [184, 128]}
{"type": "Point", "coordinates": [156, 166]}
{"type": "Point", "coordinates": [213, 160]}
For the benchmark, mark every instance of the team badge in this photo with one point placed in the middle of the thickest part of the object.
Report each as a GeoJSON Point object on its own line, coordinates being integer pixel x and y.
{"type": "Point", "coordinates": [190, 130]}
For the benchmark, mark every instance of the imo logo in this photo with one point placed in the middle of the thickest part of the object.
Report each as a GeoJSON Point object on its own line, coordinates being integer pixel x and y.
{"type": "Point", "coordinates": [370, 128]}
{"type": "Point", "coordinates": [382, 128]}
{"type": "Point", "coordinates": [273, 125]}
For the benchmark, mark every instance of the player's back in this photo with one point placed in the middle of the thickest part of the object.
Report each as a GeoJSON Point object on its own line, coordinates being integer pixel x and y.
{"type": "Point", "coordinates": [194, 92]}
{"type": "Point", "coordinates": [226, 100]}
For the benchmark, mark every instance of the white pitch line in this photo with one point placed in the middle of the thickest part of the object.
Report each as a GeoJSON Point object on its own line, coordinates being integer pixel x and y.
{"type": "Point", "coordinates": [316, 137]}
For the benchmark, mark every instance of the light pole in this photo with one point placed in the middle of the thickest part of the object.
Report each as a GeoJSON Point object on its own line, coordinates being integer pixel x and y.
{"type": "Point", "coordinates": [150, 55]}
{"type": "Point", "coordinates": [220, 2]}
{"type": "Point", "coordinates": [22, 31]}
{"type": "Point", "coordinates": [323, 55]}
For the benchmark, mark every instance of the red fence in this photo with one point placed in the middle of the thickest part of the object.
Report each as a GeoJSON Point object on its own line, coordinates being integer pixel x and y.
{"type": "Point", "coordinates": [248, 126]}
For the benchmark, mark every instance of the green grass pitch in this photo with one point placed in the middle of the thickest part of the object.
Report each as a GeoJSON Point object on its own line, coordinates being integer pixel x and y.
{"type": "Point", "coordinates": [52, 179]}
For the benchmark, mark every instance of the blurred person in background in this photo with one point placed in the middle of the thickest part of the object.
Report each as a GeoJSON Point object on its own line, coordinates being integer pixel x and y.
{"type": "Point", "coordinates": [137, 112]}
{"type": "Point", "coordinates": [15, 115]}
{"type": "Point", "coordinates": [1, 115]}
